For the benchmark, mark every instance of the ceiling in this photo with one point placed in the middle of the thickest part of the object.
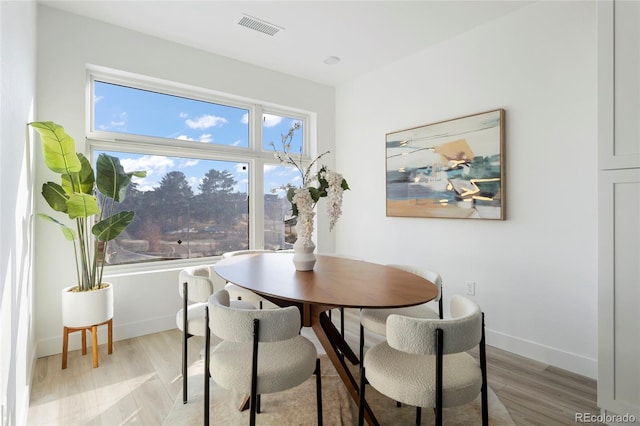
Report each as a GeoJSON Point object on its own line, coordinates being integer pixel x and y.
{"type": "Point", "coordinates": [365, 35]}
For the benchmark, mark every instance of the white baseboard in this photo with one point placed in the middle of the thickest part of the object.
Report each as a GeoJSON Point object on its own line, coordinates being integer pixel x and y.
{"type": "Point", "coordinates": [53, 346]}
{"type": "Point", "coordinates": [566, 360]}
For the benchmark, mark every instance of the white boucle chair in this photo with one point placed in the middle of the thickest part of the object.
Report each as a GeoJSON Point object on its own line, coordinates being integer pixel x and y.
{"type": "Point", "coordinates": [195, 287]}
{"type": "Point", "coordinates": [239, 293]}
{"type": "Point", "coordinates": [375, 320]}
{"type": "Point", "coordinates": [424, 361]}
{"type": "Point", "coordinates": [261, 352]}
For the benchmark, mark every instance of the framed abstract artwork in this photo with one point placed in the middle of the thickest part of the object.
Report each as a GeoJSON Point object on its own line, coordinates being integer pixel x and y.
{"type": "Point", "coordinates": [449, 169]}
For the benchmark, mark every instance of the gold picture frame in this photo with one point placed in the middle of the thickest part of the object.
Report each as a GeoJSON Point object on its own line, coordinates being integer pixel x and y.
{"type": "Point", "coordinates": [450, 169]}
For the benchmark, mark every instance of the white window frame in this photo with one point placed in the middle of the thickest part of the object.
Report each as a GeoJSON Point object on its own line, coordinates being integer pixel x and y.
{"type": "Point", "coordinates": [254, 154]}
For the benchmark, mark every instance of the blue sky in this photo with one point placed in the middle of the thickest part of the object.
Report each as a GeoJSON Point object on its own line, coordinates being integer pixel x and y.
{"type": "Point", "coordinates": [126, 110]}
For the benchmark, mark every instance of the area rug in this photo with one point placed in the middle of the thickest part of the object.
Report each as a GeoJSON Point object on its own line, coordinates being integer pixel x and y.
{"type": "Point", "coordinates": [297, 406]}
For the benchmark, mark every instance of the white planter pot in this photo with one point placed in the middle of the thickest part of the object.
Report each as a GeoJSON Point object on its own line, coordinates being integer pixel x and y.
{"type": "Point", "coordinates": [85, 308]}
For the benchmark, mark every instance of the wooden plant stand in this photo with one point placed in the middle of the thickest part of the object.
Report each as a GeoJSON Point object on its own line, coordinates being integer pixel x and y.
{"type": "Point", "coordinates": [94, 340]}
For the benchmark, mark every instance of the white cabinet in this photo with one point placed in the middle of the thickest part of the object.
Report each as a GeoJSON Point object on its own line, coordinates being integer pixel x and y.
{"type": "Point", "coordinates": [619, 292]}
{"type": "Point", "coordinates": [619, 207]}
{"type": "Point", "coordinates": [618, 84]}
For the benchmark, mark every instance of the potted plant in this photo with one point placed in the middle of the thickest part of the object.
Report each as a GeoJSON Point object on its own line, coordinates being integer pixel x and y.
{"type": "Point", "coordinates": [85, 197]}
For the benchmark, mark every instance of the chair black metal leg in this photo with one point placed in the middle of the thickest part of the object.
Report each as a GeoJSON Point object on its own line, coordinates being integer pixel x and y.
{"type": "Point", "coordinates": [318, 374]}
{"type": "Point", "coordinates": [362, 399]}
{"type": "Point", "coordinates": [361, 343]}
{"type": "Point", "coordinates": [184, 366]}
{"type": "Point", "coordinates": [342, 322]}
{"type": "Point", "coordinates": [254, 373]}
{"type": "Point", "coordinates": [418, 416]}
{"type": "Point", "coordinates": [252, 413]}
{"type": "Point", "coordinates": [483, 368]}
{"type": "Point", "coordinates": [185, 336]}
{"type": "Point", "coordinates": [207, 360]}
{"type": "Point", "coordinates": [258, 401]}
{"type": "Point", "coordinates": [439, 375]}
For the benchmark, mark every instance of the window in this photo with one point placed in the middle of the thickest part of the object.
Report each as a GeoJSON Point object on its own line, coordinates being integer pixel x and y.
{"type": "Point", "coordinates": [122, 109]}
{"type": "Point", "coordinates": [210, 168]}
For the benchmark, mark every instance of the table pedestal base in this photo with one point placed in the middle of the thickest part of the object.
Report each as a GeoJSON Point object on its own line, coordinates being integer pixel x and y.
{"type": "Point", "coordinates": [337, 350]}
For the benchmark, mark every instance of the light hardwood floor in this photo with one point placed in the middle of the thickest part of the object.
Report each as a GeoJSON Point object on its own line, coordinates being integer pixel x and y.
{"type": "Point", "coordinates": [139, 382]}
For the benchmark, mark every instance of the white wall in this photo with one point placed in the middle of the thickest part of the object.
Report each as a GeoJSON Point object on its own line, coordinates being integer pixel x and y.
{"type": "Point", "coordinates": [17, 92]}
{"type": "Point", "coordinates": [144, 302]}
{"type": "Point", "coordinates": [535, 273]}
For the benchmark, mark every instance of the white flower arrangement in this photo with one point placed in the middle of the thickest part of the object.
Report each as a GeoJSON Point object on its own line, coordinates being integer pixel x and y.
{"type": "Point", "coordinates": [304, 225]}
{"type": "Point", "coordinates": [324, 183]}
{"type": "Point", "coordinates": [334, 195]}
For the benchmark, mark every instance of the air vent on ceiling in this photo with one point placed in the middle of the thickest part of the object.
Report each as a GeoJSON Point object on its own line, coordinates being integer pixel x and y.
{"type": "Point", "coordinates": [259, 25]}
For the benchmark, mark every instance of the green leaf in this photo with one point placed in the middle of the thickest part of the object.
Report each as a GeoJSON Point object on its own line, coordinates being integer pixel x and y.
{"type": "Point", "coordinates": [83, 180]}
{"type": "Point", "coordinates": [58, 148]}
{"type": "Point", "coordinates": [315, 194]}
{"type": "Point", "coordinates": [322, 181]}
{"type": "Point", "coordinates": [55, 196]}
{"type": "Point", "coordinates": [82, 205]}
{"type": "Point", "coordinates": [68, 233]}
{"type": "Point", "coordinates": [345, 185]}
{"type": "Point", "coordinates": [111, 178]}
{"type": "Point", "coordinates": [290, 193]}
{"type": "Point", "coordinates": [111, 227]}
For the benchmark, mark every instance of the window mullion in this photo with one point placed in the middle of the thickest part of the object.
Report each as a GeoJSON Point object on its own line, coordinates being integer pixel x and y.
{"type": "Point", "coordinates": [256, 200]}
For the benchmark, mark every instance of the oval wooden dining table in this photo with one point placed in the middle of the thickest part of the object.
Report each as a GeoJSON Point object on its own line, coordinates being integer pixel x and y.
{"type": "Point", "coordinates": [334, 282]}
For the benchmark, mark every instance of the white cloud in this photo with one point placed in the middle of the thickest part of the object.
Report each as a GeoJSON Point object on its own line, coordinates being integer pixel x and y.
{"type": "Point", "coordinates": [151, 163]}
{"type": "Point", "coordinates": [119, 122]}
{"type": "Point", "coordinates": [206, 137]}
{"type": "Point", "coordinates": [206, 121]}
{"type": "Point", "coordinates": [194, 182]}
{"type": "Point", "coordinates": [184, 138]}
{"type": "Point", "coordinates": [237, 143]}
{"type": "Point", "coordinates": [283, 171]}
{"type": "Point", "coordinates": [183, 115]}
{"type": "Point", "coordinates": [98, 99]}
{"type": "Point", "coordinates": [156, 167]}
{"type": "Point", "coordinates": [189, 163]}
{"type": "Point", "coordinates": [271, 120]}
{"type": "Point", "coordinates": [241, 168]}
{"type": "Point", "coordinates": [277, 189]}
{"type": "Point", "coordinates": [122, 122]}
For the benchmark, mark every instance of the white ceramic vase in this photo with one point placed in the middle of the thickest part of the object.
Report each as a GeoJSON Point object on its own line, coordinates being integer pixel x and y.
{"type": "Point", "coordinates": [85, 308]}
{"type": "Point", "coordinates": [303, 257]}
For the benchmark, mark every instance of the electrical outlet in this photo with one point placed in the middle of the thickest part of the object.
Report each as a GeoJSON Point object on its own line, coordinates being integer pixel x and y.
{"type": "Point", "coordinates": [471, 288]}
